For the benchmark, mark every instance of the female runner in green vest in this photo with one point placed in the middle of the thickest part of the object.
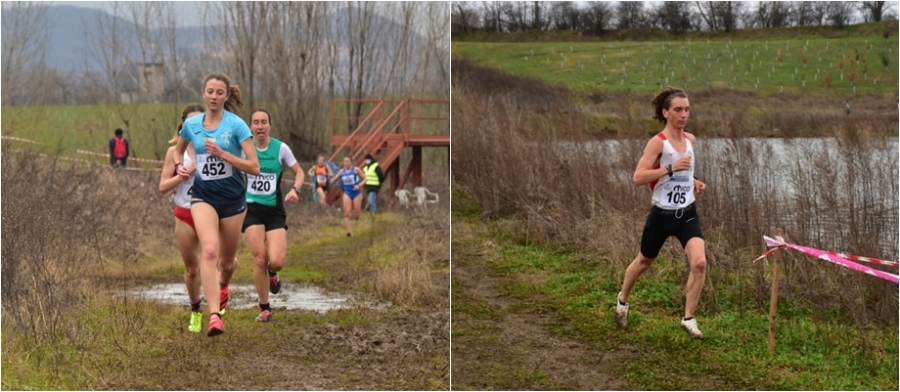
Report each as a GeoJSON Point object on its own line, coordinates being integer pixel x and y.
{"type": "Point", "coordinates": [266, 220]}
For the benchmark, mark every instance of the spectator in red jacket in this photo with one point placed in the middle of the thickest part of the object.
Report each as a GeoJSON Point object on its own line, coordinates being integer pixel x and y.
{"type": "Point", "coordinates": [118, 150]}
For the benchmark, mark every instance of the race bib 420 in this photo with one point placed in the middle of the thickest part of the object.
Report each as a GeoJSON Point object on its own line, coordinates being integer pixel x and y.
{"type": "Point", "coordinates": [263, 184]}
{"type": "Point", "coordinates": [211, 168]}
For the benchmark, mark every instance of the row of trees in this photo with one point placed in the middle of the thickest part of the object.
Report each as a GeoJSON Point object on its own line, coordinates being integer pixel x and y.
{"type": "Point", "coordinates": [675, 16]}
{"type": "Point", "coordinates": [293, 57]}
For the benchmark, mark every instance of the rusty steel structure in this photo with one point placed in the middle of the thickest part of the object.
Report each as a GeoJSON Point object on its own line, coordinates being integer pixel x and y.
{"type": "Point", "coordinates": [385, 128]}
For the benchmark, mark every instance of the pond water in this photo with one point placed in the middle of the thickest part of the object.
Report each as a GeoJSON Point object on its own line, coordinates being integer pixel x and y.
{"type": "Point", "coordinates": [243, 296]}
{"type": "Point", "coordinates": [786, 171]}
{"type": "Point", "coordinates": [777, 156]}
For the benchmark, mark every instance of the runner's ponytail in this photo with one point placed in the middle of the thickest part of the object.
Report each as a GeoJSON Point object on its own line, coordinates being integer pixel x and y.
{"type": "Point", "coordinates": [235, 101]}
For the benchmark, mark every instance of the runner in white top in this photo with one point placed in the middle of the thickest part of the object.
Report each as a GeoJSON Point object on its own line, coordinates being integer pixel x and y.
{"type": "Point", "coordinates": [668, 167]}
{"type": "Point", "coordinates": [674, 192]}
{"type": "Point", "coordinates": [185, 235]}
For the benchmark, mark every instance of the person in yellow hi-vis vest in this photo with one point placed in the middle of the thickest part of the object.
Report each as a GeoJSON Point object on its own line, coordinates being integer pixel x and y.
{"type": "Point", "coordinates": [374, 178]}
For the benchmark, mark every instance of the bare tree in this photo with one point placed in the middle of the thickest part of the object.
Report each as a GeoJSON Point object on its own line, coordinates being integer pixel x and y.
{"type": "Point", "coordinates": [565, 15]}
{"type": "Point", "coordinates": [174, 64]}
{"type": "Point", "coordinates": [840, 13]}
{"type": "Point", "coordinates": [674, 16]}
{"type": "Point", "coordinates": [598, 16]}
{"type": "Point", "coordinates": [238, 23]}
{"type": "Point", "coordinates": [721, 15]}
{"type": "Point", "coordinates": [537, 19]}
{"type": "Point", "coordinates": [24, 49]}
{"type": "Point", "coordinates": [109, 49]}
{"type": "Point", "coordinates": [492, 15]}
{"type": "Point", "coordinates": [145, 18]}
{"type": "Point", "coordinates": [296, 95]}
{"type": "Point", "coordinates": [516, 14]}
{"type": "Point", "coordinates": [464, 16]}
{"type": "Point", "coordinates": [773, 14]}
{"type": "Point", "coordinates": [439, 42]}
{"type": "Point", "coordinates": [804, 13]}
{"type": "Point", "coordinates": [820, 11]}
{"type": "Point", "coordinates": [630, 15]}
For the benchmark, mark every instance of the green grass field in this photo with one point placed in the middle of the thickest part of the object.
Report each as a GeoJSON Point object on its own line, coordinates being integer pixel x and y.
{"type": "Point", "coordinates": [68, 128]}
{"type": "Point", "coordinates": [814, 350]}
{"type": "Point", "coordinates": [89, 127]}
{"type": "Point", "coordinates": [854, 65]}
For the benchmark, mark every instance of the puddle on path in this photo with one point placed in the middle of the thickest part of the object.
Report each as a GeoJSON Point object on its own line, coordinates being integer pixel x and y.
{"type": "Point", "coordinates": [243, 296]}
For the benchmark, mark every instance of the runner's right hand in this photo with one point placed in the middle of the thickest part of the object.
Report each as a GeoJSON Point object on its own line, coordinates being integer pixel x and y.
{"type": "Point", "coordinates": [184, 172]}
{"type": "Point", "coordinates": [682, 164]}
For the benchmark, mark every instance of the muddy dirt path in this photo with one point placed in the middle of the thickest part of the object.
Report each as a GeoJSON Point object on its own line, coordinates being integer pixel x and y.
{"type": "Point", "coordinates": [502, 342]}
{"type": "Point", "coordinates": [360, 348]}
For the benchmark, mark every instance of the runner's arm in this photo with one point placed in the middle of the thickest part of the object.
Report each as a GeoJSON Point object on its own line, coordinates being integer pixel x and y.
{"type": "Point", "coordinates": [333, 180]}
{"type": "Point", "coordinates": [180, 148]}
{"type": "Point", "coordinates": [299, 175]}
{"type": "Point", "coordinates": [362, 177]}
{"type": "Point", "coordinates": [168, 179]}
{"type": "Point", "coordinates": [249, 165]}
{"type": "Point", "coordinates": [645, 173]}
{"type": "Point", "coordinates": [699, 186]}
{"type": "Point", "coordinates": [287, 157]}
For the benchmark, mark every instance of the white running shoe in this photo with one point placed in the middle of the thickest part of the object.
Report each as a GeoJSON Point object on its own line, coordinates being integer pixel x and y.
{"type": "Point", "coordinates": [621, 313]}
{"type": "Point", "coordinates": [690, 326]}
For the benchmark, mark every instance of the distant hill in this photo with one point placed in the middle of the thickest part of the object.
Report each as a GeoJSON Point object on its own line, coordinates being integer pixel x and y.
{"type": "Point", "coordinates": [72, 31]}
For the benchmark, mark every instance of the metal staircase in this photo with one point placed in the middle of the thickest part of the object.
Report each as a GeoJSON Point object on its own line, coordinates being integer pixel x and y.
{"type": "Point", "coordinates": [385, 130]}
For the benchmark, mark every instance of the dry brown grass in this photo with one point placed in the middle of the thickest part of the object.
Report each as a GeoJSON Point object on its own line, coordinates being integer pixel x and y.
{"type": "Point", "coordinates": [509, 159]}
{"type": "Point", "coordinates": [64, 225]}
{"type": "Point", "coordinates": [419, 276]}
{"type": "Point", "coordinates": [76, 237]}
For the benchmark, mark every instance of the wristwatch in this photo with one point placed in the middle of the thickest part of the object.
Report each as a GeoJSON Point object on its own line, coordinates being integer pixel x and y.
{"type": "Point", "coordinates": [669, 169]}
{"type": "Point", "coordinates": [297, 189]}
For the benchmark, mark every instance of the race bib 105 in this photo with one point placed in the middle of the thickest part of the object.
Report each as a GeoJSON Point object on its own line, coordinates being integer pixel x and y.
{"type": "Point", "coordinates": [677, 194]}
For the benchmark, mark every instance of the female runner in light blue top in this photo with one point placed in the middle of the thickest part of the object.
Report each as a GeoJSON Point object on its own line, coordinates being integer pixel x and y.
{"type": "Point", "coordinates": [218, 204]}
{"type": "Point", "coordinates": [352, 179]}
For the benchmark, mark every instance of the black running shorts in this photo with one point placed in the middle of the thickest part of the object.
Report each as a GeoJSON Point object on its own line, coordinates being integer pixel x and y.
{"type": "Point", "coordinates": [272, 217]}
{"type": "Point", "coordinates": [662, 224]}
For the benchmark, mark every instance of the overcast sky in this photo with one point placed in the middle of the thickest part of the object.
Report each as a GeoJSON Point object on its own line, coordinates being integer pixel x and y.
{"type": "Point", "coordinates": [187, 12]}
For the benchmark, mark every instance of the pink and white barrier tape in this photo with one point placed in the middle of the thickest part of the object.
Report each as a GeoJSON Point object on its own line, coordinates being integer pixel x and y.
{"type": "Point", "coordinates": [18, 139]}
{"type": "Point", "coordinates": [837, 258]}
{"type": "Point", "coordinates": [107, 155]}
{"type": "Point", "coordinates": [62, 158]}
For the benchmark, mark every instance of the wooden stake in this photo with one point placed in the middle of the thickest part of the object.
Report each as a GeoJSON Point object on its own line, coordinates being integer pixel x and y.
{"type": "Point", "coordinates": [773, 300]}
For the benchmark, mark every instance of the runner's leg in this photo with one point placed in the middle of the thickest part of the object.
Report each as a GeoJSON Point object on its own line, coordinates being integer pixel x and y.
{"type": "Point", "coordinates": [348, 205]}
{"type": "Point", "coordinates": [186, 238]}
{"type": "Point", "coordinates": [696, 252]}
{"type": "Point", "coordinates": [206, 221]}
{"type": "Point", "coordinates": [357, 206]}
{"type": "Point", "coordinates": [256, 241]}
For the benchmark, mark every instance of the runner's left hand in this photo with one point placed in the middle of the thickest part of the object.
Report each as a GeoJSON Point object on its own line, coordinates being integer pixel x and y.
{"type": "Point", "coordinates": [291, 197]}
{"type": "Point", "coordinates": [699, 186]}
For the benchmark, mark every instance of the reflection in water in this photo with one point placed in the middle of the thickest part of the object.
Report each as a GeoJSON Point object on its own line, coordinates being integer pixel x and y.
{"type": "Point", "coordinates": [292, 296]}
{"type": "Point", "coordinates": [838, 194]}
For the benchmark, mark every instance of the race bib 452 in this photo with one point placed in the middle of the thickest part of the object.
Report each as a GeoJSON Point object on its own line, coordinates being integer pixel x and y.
{"type": "Point", "coordinates": [211, 168]}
